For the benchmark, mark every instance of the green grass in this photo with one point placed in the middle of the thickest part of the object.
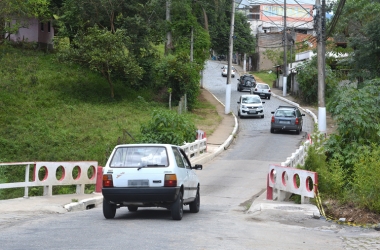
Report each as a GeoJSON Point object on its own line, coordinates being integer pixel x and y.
{"type": "Point", "coordinates": [265, 77]}
{"type": "Point", "coordinates": [58, 112]}
{"type": "Point", "coordinates": [51, 111]}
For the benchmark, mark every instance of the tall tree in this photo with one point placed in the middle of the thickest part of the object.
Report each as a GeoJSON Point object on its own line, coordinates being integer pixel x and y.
{"type": "Point", "coordinates": [359, 23]}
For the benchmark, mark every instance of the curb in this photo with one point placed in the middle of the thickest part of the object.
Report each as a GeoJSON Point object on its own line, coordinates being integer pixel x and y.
{"type": "Point", "coordinates": [84, 204]}
{"type": "Point", "coordinates": [224, 146]}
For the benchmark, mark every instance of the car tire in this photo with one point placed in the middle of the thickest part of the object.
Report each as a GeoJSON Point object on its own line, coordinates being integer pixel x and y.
{"type": "Point", "coordinates": [132, 208]}
{"type": "Point", "coordinates": [262, 116]}
{"type": "Point", "coordinates": [297, 131]}
{"type": "Point", "coordinates": [109, 210]}
{"type": "Point", "coordinates": [272, 130]}
{"type": "Point", "coordinates": [177, 207]}
{"type": "Point", "coordinates": [195, 205]}
{"type": "Point", "coordinates": [268, 97]}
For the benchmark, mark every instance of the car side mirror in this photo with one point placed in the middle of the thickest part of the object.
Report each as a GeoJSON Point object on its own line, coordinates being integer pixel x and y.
{"type": "Point", "coordinates": [262, 102]}
{"type": "Point", "coordinates": [272, 112]}
{"type": "Point", "coordinates": [197, 167]}
{"type": "Point", "coordinates": [238, 102]}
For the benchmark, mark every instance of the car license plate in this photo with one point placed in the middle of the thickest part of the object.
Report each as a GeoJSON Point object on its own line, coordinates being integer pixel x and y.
{"type": "Point", "coordinates": [138, 183]}
{"type": "Point", "coordinates": [252, 112]}
{"type": "Point", "coordinates": [285, 122]}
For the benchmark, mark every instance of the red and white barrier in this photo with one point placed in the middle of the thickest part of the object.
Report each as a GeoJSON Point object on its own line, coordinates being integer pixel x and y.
{"type": "Point", "coordinates": [284, 181]}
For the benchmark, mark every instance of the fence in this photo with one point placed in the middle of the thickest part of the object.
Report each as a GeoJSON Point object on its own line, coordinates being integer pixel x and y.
{"type": "Point", "coordinates": [81, 173]}
{"type": "Point", "coordinates": [284, 181]}
{"type": "Point", "coordinates": [298, 157]}
{"type": "Point", "coordinates": [49, 174]}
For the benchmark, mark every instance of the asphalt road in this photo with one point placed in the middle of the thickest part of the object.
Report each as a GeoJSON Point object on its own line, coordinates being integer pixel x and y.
{"type": "Point", "coordinates": [229, 183]}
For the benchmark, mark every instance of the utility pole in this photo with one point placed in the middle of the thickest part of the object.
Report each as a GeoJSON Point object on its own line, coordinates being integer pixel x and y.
{"type": "Point", "coordinates": [285, 73]}
{"type": "Point", "coordinates": [321, 23]}
{"type": "Point", "coordinates": [230, 50]}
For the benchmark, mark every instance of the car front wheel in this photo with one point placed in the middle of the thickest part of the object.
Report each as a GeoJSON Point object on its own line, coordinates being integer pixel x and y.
{"type": "Point", "coordinates": [109, 210]}
{"type": "Point", "coordinates": [194, 206]}
{"type": "Point", "coordinates": [177, 208]}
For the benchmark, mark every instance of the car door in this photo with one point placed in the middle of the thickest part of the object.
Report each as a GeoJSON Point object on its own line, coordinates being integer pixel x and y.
{"type": "Point", "coordinates": [193, 179]}
{"type": "Point", "coordinates": [182, 172]}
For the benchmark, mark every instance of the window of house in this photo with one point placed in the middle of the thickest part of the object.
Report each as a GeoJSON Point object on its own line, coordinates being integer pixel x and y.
{"type": "Point", "coordinates": [48, 24]}
{"type": "Point", "coordinates": [42, 26]}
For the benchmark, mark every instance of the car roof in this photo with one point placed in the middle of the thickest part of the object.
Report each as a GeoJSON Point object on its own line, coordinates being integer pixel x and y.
{"type": "Point", "coordinates": [287, 107]}
{"type": "Point", "coordinates": [250, 96]}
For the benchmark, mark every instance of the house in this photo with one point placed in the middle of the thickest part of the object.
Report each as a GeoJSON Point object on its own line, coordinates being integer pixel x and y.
{"type": "Point", "coordinates": [267, 23]}
{"type": "Point", "coordinates": [33, 30]}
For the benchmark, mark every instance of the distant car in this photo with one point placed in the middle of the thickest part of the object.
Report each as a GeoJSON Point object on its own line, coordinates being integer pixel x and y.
{"type": "Point", "coordinates": [250, 106]}
{"type": "Point", "coordinates": [246, 82]}
{"type": "Point", "coordinates": [150, 175]}
{"type": "Point", "coordinates": [225, 71]}
{"type": "Point", "coordinates": [263, 90]}
{"type": "Point", "coordinates": [286, 118]}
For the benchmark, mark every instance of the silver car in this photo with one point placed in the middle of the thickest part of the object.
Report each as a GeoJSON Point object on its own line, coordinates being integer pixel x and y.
{"type": "Point", "coordinates": [286, 118]}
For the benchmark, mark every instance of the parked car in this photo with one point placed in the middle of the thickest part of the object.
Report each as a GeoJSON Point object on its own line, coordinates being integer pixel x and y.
{"type": "Point", "coordinates": [150, 175]}
{"type": "Point", "coordinates": [286, 118]}
{"type": "Point", "coordinates": [263, 90]}
{"type": "Point", "coordinates": [225, 71]}
{"type": "Point", "coordinates": [246, 82]}
{"type": "Point", "coordinates": [250, 106]}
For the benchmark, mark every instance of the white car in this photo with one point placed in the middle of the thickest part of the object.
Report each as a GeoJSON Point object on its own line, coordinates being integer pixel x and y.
{"type": "Point", "coordinates": [150, 175]}
{"type": "Point", "coordinates": [263, 90]}
{"type": "Point", "coordinates": [225, 71]}
{"type": "Point", "coordinates": [250, 106]}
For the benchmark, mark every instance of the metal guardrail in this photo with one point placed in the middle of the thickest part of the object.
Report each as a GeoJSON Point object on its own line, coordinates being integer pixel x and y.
{"type": "Point", "coordinates": [78, 173]}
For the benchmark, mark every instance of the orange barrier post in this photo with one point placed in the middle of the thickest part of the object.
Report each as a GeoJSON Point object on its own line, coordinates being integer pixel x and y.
{"type": "Point", "coordinates": [99, 180]}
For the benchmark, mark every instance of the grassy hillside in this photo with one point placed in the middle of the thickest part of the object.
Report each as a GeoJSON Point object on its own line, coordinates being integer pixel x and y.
{"type": "Point", "coordinates": [58, 112]}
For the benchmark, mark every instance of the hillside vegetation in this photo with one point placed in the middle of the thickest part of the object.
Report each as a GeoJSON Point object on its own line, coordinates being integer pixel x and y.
{"type": "Point", "coordinates": [59, 112]}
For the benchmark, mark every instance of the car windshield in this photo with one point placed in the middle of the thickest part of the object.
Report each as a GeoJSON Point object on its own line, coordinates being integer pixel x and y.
{"type": "Point", "coordinates": [262, 86]}
{"type": "Point", "coordinates": [140, 156]}
{"type": "Point", "coordinates": [251, 99]}
{"type": "Point", "coordinates": [286, 113]}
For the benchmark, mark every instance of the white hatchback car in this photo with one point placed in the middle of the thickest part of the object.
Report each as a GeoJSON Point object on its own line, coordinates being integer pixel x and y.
{"type": "Point", "coordinates": [150, 175]}
{"type": "Point", "coordinates": [225, 71]}
{"type": "Point", "coordinates": [263, 90]}
{"type": "Point", "coordinates": [250, 106]}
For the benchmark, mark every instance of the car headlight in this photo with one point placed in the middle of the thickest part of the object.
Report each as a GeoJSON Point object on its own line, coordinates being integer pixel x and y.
{"type": "Point", "coordinates": [243, 106]}
{"type": "Point", "coordinates": [260, 107]}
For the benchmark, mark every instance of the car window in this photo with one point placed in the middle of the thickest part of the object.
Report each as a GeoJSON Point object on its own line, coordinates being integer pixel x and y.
{"type": "Point", "coordinates": [178, 158]}
{"type": "Point", "coordinates": [147, 156]}
{"type": "Point", "coordinates": [251, 99]}
{"type": "Point", "coordinates": [286, 113]}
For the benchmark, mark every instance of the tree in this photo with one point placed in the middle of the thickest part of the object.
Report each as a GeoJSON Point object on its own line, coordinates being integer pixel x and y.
{"type": "Point", "coordinates": [307, 77]}
{"type": "Point", "coordinates": [244, 41]}
{"type": "Point", "coordinates": [104, 52]}
{"type": "Point", "coordinates": [359, 23]}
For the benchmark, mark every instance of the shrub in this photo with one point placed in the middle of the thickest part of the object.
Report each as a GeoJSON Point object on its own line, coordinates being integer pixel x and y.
{"type": "Point", "coordinates": [167, 126]}
{"type": "Point", "coordinates": [365, 183]}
